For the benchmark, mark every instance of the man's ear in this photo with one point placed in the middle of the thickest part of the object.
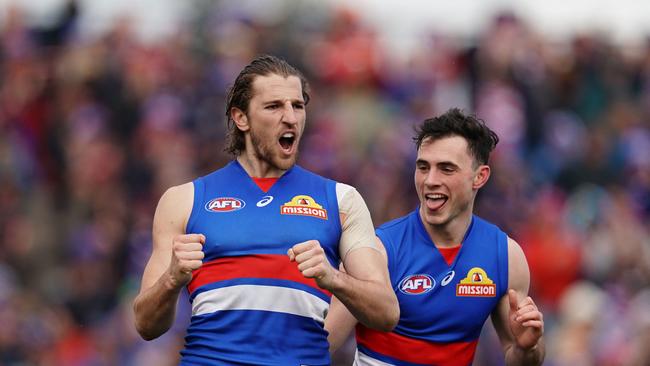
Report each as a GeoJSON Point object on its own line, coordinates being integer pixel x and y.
{"type": "Point", "coordinates": [481, 177]}
{"type": "Point", "coordinates": [240, 119]}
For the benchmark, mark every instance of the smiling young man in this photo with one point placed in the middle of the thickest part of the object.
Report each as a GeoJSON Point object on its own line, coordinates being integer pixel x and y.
{"type": "Point", "coordinates": [449, 268]}
{"type": "Point", "coordinates": [258, 242]}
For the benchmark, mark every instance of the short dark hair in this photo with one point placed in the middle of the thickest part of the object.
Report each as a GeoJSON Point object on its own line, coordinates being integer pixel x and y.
{"type": "Point", "coordinates": [480, 138]}
{"type": "Point", "coordinates": [241, 92]}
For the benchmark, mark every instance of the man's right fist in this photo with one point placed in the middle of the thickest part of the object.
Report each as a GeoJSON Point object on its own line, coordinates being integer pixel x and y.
{"type": "Point", "coordinates": [187, 255]}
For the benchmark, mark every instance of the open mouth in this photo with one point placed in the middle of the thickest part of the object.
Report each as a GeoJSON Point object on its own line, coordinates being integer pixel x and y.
{"type": "Point", "coordinates": [435, 201]}
{"type": "Point", "coordinates": [287, 141]}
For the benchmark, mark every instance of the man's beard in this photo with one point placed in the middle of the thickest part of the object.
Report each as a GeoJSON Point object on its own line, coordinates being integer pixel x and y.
{"type": "Point", "coordinates": [267, 154]}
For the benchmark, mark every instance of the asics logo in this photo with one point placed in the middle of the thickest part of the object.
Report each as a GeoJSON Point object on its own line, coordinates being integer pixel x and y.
{"type": "Point", "coordinates": [448, 278]}
{"type": "Point", "coordinates": [264, 201]}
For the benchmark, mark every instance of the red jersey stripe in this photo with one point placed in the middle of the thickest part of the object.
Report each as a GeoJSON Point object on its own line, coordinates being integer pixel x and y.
{"type": "Point", "coordinates": [275, 266]}
{"type": "Point", "coordinates": [416, 350]}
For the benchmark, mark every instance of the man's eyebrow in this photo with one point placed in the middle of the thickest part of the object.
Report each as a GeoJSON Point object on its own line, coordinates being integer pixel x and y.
{"type": "Point", "coordinates": [273, 101]}
{"type": "Point", "coordinates": [447, 164]}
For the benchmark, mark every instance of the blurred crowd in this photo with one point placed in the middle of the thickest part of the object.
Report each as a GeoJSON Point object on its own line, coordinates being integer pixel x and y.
{"type": "Point", "coordinates": [94, 129]}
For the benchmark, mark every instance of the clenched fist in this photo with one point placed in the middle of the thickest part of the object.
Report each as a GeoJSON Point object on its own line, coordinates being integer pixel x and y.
{"type": "Point", "coordinates": [187, 255]}
{"type": "Point", "coordinates": [313, 263]}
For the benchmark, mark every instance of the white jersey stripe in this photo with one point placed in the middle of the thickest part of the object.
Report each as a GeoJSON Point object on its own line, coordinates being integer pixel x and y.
{"type": "Point", "coordinates": [361, 359]}
{"type": "Point", "coordinates": [256, 297]}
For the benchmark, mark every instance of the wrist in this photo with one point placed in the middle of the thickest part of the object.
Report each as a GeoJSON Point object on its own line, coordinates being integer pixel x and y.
{"type": "Point", "coordinates": [334, 284]}
{"type": "Point", "coordinates": [171, 284]}
{"type": "Point", "coordinates": [533, 348]}
{"type": "Point", "coordinates": [533, 355]}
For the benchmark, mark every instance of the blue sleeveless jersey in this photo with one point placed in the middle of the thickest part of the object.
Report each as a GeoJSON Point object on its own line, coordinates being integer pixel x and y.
{"type": "Point", "coordinates": [250, 304]}
{"type": "Point", "coordinates": [443, 308]}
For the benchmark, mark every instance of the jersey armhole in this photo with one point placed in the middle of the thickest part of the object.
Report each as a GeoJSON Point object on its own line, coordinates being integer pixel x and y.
{"type": "Point", "coordinates": [199, 192]}
{"type": "Point", "coordinates": [504, 267]}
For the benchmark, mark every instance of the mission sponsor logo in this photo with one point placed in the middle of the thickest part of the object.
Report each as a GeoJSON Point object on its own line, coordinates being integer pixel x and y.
{"type": "Point", "coordinates": [225, 204]}
{"type": "Point", "coordinates": [417, 284]}
{"type": "Point", "coordinates": [476, 284]}
{"type": "Point", "coordinates": [303, 206]}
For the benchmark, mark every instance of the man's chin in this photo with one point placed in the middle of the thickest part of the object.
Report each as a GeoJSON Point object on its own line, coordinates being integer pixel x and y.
{"type": "Point", "coordinates": [434, 219]}
{"type": "Point", "coordinates": [285, 163]}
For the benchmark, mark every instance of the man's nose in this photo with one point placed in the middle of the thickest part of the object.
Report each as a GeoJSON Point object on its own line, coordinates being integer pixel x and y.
{"type": "Point", "coordinates": [289, 116]}
{"type": "Point", "coordinates": [432, 178]}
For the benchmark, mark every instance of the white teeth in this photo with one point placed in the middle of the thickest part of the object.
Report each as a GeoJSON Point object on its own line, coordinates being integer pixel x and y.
{"type": "Point", "coordinates": [435, 196]}
{"type": "Point", "coordinates": [288, 135]}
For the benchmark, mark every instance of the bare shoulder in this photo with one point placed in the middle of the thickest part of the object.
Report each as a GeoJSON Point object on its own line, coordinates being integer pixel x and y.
{"type": "Point", "coordinates": [518, 272]}
{"type": "Point", "coordinates": [515, 253]}
{"type": "Point", "coordinates": [173, 211]}
{"type": "Point", "coordinates": [180, 194]}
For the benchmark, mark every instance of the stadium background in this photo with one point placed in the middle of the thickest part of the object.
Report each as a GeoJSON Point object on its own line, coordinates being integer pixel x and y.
{"type": "Point", "coordinates": [100, 114]}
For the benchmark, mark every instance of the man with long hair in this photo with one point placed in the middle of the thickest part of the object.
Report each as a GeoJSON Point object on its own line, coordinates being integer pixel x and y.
{"type": "Point", "coordinates": [258, 242]}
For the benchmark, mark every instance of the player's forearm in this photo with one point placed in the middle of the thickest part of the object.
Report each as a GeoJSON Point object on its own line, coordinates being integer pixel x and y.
{"type": "Point", "coordinates": [516, 356]}
{"type": "Point", "coordinates": [155, 309]}
{"type": "Point", "coordinates": [339, 324]}
{"type": "Point", "coordinates": [373, 303]}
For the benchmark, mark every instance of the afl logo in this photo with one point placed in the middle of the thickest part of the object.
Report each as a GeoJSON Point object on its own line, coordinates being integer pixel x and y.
{"type": "Point", "coordinates": [225, 204]}
{"type": "Point", "coordinates": [417, 284]}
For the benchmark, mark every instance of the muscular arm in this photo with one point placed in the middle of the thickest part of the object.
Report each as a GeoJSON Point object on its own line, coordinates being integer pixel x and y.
{"type": "Point", "coordinates": [365, 287]}
{"type": "Point", "coordinates": [339, 323]}
{"type": "Point", "coordinates": [518, 322]}
{"type": "Point", "coordinates": [155, 305]}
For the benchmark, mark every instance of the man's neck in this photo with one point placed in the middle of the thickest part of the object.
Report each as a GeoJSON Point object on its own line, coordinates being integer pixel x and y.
{"type": "Point", "coordinates": [258, 168]}
{"type": "Point", "coordinates": [450, 234]}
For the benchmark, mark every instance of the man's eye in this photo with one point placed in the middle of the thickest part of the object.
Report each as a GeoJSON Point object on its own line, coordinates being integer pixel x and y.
{"type": "Point", "coordinates": [299, 106]}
